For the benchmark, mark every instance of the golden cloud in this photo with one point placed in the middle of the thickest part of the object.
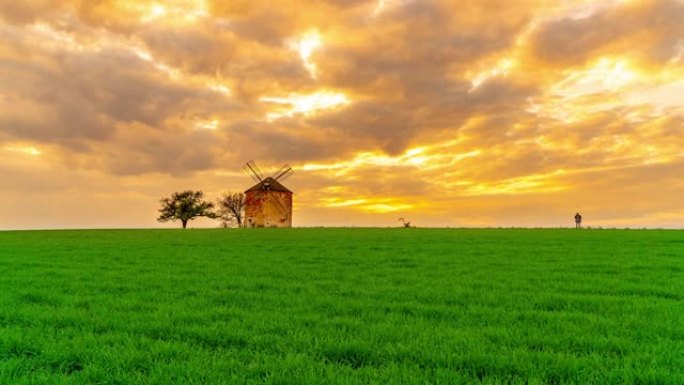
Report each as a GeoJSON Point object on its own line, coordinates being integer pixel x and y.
{"type": "Point", "coordinates": [454, 114]}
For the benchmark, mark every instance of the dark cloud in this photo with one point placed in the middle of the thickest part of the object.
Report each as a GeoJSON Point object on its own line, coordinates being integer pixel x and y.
{"type": "Point", "coordinates": [88, 93]}
{"type": "Point", "coordinates": [81, 97]}
{"type": "Point", "coordinates": [647, 30]}
{"type": "Point", "coordinates": [399, 66]}
{"type": "Point", "coordinates": [169, 91]}
{"type": "Point", "coordinates": [26, 11]}
{"type": "Point", "coordinates": [281, 141]}
{"type": "Point", "coordinates": [139, 149]}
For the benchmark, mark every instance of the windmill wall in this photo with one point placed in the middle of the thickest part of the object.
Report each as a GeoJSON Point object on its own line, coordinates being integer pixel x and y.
{"type": "Point", "coordinates": [262, 209]}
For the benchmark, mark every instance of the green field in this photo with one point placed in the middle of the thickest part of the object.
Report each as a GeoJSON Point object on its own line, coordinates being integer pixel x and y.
{"type": "Point", "coordinates": [342, 306]}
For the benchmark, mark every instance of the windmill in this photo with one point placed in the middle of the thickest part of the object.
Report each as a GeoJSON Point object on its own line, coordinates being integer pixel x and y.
{"type": "Point", "coordinates": [268, 203]}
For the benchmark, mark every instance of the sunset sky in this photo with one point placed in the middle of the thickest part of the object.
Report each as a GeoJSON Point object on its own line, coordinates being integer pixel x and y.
{"type": "Point", "coordinates": [444, 112]}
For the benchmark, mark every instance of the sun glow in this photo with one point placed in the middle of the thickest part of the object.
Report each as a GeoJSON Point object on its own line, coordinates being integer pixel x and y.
{"type": "Point", "coordinates": [25, 150]}
{"type": "Point", "coordinates": [371, 205]}
{"type": "Point", "coordinates": [500, 69]}
{"type": "Point", "coordinates": [386, 207]}
{"type": "Point", "coordinates": [606, 75]}
{"type": "Point", "coordinates": [297, 104]}
{"type": "Point", "coordinates": [157, 11]}
{"type": "Point", "coordinates": [219, 88]}
{"type": "Point", "coordinates": [601, 86]}
{"type": "Point", "coordinates": [425, 157]}
{"type": "Point", "coordinates": [383, 5]}
{"type": "Point", "coordinates": [528, 184]}
{"type": "Point", "coordinates": [305, 47]}
{"type": "Point", "coordinates": [208, 125]}
{"type": "Point", "coordinates": [178, 11]}
{"type": "Point", "coordinates": [379, 7]}
{"type": "Point", "coordinates": [370, 159]}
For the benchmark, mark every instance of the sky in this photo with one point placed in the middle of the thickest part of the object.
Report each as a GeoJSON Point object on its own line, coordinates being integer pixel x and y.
{"type": "Point", "coordinates": [444, 112]}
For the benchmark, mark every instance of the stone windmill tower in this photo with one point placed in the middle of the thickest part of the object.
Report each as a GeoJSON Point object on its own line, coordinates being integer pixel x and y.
{"type": "Point", "coordinates": [268, 203]}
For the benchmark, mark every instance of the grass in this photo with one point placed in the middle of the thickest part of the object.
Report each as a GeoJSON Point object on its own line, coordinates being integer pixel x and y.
{"type": "Point", "coordinates": [342, 306]}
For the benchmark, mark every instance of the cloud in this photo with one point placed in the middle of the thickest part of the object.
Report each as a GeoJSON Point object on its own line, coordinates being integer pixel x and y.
{"type": "Point", "coordinates": [649, 31]}
{"type": "Point", "coordinates": [430, 108]}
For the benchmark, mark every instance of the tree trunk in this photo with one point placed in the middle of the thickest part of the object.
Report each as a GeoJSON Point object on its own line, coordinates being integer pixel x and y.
{"type": "Point", "coordinates": [185, 223]}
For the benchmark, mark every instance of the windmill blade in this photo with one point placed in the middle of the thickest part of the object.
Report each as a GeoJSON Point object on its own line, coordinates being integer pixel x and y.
{"type": "Point", "coordinates": [283, 173]}
{"type": "Point", "coordinates": [250, 173]}
{"type": "Point", "coordinates": [281, 206]}
{"type": "Point", "coordinates": [286, 175]}
{"type": "Point", "coordinates": [253, 167]}
{"type": "Point", "coordinates": [253, 171]}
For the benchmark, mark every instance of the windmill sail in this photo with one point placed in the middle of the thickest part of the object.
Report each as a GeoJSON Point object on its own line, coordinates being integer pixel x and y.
{"type": "Point", "coordinates": [253, 171]}
{"type": "Point", "coordinates": [283, 173]}
{"type": "Point", "coordinates": [268, 203]}
{"type": "Point", "coordinates": [280, 205]}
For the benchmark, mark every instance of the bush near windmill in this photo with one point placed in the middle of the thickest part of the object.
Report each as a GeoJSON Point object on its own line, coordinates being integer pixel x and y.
{"type": "Point", "coordinates": [231, 208]}
{"type": "Point", "coordinates": [268, 203]}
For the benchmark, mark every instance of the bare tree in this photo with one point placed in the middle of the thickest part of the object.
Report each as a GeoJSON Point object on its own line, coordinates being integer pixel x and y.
{"type": "Point", "coordinates": [185, 206]}
{"type": "Point", "coordinates": [231, 208]}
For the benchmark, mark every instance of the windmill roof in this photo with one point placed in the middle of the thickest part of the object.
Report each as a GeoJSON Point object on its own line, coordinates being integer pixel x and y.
{"type": "Point", "coordinates": [273, 184]}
